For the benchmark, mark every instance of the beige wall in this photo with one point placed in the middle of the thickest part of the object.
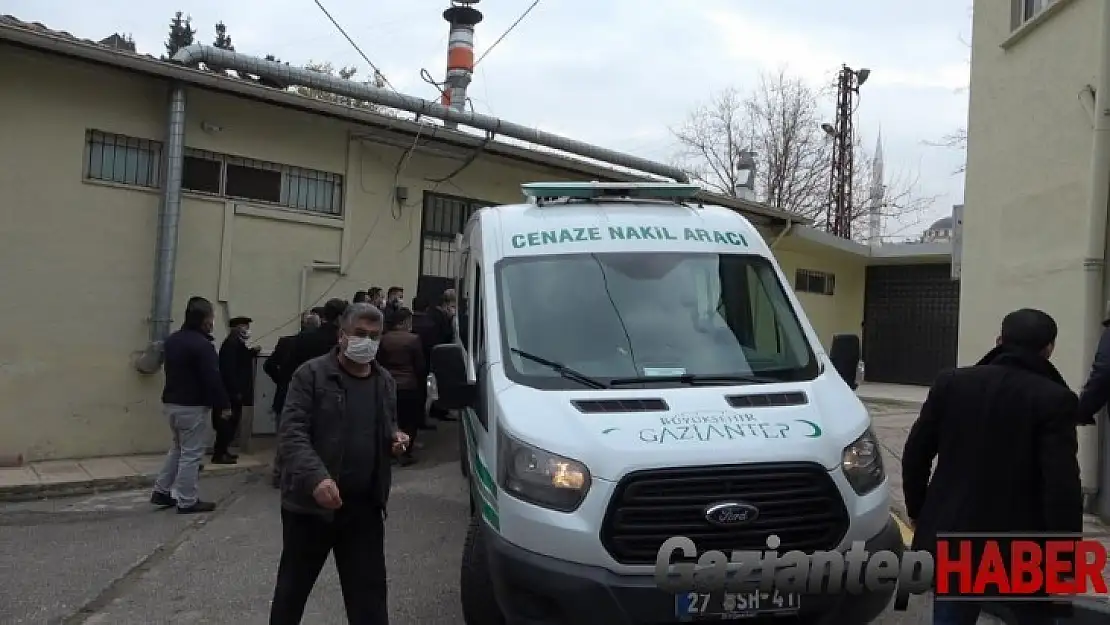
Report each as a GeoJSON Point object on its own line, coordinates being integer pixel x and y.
{"type": "Point", "coordinates": [77, 257]}
{"type": "Point", "coordinates": [1026, 186]}
{"type": "Point", "coordinates": [840, 313]}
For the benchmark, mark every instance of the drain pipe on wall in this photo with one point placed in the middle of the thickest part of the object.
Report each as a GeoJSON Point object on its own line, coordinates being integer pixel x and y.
{"type": "Point", "coordinates": [782, 234]}
{"type": "Point", "coordinates": [169, 218]}
{"type": "Point", "coordinates": [285, 74]}
{"type": "Point", "coordinates": [1093, 457]}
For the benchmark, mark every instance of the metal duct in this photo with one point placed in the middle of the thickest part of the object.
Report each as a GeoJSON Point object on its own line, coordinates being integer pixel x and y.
{"type": "Point", "coordinates": [460, 53]}
{"type": "Point", "coordinates": [169, 218]}
{"type": "Point", "coordinates": [285, 74]}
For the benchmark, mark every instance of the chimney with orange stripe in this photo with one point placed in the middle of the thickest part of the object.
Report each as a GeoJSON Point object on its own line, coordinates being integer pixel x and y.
{"type": "Point", "coordinates": [460, 53]}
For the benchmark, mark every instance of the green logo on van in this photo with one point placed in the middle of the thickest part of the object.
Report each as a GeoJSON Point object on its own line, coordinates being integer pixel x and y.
{"type": "Point", "coordinates": [540, 238]}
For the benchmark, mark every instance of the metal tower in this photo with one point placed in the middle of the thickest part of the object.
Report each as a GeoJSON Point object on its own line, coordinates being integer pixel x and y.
{"type": "Point", "coordinates": [839, 216]}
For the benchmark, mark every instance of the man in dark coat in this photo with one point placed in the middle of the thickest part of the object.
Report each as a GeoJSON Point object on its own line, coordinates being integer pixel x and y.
{"type": "Point", "coordinates": [237, 372]}
{"type": "Point", "coordinates": [1096, 392]}
{"type": "Point", "coordinates": [322, 340]}
{"type": "Point", "coordinates": [442, 319]}
{"type": "Point", "coordinates": [1003, 436]}
{"type": "Point", "coordinates": [338, 435]}
{"type": "Point", "coordinates": [193, 388]}
{"type": "Point", "coordinates": [278, 367]}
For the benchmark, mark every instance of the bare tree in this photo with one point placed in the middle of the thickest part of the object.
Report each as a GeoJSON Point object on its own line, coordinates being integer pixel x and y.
{"type": "Point", "coordinates": [956, 140]}
{"type": "Point", "coordinates": [793, 151]}
{"type": "Point", "coordinates": [711, 140]}
{"type": "Point", "coordinates": [781, 122]}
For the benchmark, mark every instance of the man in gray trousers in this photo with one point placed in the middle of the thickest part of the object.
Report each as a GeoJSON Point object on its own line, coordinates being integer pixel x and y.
{"type": "Point", "coordinates": [193, 387]}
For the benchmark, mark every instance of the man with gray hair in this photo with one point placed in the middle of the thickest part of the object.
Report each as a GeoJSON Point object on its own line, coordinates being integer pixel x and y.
{"type": "Point", "coordinates": [279, 366]}
{"type": "Point", "coordinates": [338, 433]}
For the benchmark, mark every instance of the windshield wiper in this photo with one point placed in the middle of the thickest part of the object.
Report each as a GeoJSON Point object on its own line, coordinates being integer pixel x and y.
{"type": "Point", "coordinates": [561, 369]}
{"type": "Point", "coordinates": [695, 379]}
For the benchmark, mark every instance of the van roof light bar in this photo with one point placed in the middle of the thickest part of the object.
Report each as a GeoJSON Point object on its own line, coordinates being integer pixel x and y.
{"type": "Point", "coordinates": [672, 191]}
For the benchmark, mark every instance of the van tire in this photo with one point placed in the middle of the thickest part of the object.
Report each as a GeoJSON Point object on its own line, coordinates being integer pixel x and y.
{"type": "Point", "coordinates": [464, 453]}
{"type": "Point", "coordinates": [479, 603]}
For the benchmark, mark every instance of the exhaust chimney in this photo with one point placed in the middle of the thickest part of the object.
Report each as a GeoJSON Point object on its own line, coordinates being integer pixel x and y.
{"type": "Point", "coordinates": [460, 53]}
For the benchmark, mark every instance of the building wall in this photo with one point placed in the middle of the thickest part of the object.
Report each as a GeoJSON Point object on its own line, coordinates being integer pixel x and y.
{"type": "Point", "coordinates": [839, 313]}
{"type": "Point", "coordinates": [78, 256]}
{"type": "Point", "coordinates": [1029, 144]}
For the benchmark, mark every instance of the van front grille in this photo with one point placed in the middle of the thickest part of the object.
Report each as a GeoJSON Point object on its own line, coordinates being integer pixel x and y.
{"type": "Point", "coordinates": [798, 502]}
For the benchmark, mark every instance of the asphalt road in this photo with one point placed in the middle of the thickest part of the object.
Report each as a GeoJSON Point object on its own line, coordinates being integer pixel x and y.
{"type": "Point", "coordinates": [112, 560]}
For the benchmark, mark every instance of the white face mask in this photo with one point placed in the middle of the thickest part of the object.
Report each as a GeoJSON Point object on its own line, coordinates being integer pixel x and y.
{"type": "Point", "coordinates": [361, 349]}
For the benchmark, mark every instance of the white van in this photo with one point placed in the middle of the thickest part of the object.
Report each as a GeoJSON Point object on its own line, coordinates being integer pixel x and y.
{"type": "Point", "coordinates": [634, 366]}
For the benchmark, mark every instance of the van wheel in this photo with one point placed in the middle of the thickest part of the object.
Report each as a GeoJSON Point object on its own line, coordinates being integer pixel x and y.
{"type": "Point", "coordinates": [479, 604]}
{"type": "Point", "coordinates": [464, 455]}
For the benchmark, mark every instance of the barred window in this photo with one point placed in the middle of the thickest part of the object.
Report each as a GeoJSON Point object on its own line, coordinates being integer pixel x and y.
{"type": "Point", "coordinates": [817, 282]}
{"type": "Point", "coordinates": [133, 161]}
{"type": "Point", "coordinates": [123, 160]}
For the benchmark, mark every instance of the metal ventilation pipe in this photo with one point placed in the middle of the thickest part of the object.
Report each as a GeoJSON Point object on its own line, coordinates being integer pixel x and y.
{"type": "Point", "coordinates": [460, 53]}
{"type": "Point", "coordinates": [169, 219]}
{"type": "Point", "coordinates": [288, 75]}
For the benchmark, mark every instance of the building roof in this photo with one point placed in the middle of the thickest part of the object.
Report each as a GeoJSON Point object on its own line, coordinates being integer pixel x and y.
{"type": "Point", "coordinates": [944, 223]}
{"type": "Point", "coordinates": [37, 36]}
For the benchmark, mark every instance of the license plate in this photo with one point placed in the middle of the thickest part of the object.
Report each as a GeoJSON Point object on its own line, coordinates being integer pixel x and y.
{"type": "Point", "coordinates": [730, 606]}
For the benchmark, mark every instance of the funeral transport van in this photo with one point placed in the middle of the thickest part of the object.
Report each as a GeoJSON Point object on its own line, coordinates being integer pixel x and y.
{"type": "Point", "coordinates": [633, 366]}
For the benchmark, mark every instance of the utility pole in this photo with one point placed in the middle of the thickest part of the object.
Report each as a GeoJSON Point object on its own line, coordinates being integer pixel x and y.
{"type": "Point", "coordinates": [839, 215]}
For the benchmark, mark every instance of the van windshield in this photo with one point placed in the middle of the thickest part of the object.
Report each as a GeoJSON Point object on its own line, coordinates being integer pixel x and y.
{"type": "Point", "coordinates": [658, 319]}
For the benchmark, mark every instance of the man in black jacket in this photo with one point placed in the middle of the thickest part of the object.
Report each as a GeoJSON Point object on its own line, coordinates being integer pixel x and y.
{"type": "Point", "coordinates": [237, 372]}
{"type": "Point", "coordinates": [442, 319]}
{"type": "Point", "coordinates": [1003, 436]}
{"type": "Point", "coordinates": [338, 435]}
{"type": "Point", "coordinates": [309, 345]}
{"type": "Point", "coordinates": [1096, 392]}
{"type": "Point", "coordinates": [193, 388]}
{"type": "Point", "coordinates": [278, 367]}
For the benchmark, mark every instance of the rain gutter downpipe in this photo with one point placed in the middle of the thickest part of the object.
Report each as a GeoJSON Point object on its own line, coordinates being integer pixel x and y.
{"type": "Point", "coordinates": [169, 219]}
{"type": "Point", "coordinates": [1093, 442]}
{"type": "Point", "coordinates": [285, 74]}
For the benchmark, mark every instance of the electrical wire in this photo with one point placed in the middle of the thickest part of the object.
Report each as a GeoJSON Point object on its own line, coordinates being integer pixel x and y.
{"type": "Point", "coordinates": [402, 163]}
{"type": "Point", "coordinates": [506, 33]}
{"type": "Point", "coordinates": [355, 46]}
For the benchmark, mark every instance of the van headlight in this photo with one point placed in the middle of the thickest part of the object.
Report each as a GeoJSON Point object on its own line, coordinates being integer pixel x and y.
{"type": "Point", "coordinates": [540, 477]}
{"type": "Point", "coordinates": [863, 463]}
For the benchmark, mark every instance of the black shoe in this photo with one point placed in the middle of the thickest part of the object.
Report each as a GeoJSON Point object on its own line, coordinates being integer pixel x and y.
{"type": "Point", "coordinates": [232, 456]}
{"type": "Point", "coordinates": [224, 459]}
{"type": "Point", "coordinates": [407, 461]}
{"type": "Point", "coordinates": [199, 506]}
{"type": "Point", "coordinates": [162, 500]}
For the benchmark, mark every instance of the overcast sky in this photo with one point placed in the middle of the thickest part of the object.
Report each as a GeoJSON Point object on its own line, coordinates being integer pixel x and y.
{"type": "Point", "coordinates": [617, 73]}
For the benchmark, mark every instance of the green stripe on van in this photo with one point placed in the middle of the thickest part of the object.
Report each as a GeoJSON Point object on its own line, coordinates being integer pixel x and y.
{"type": "Point", "coordinates": [480, 470]}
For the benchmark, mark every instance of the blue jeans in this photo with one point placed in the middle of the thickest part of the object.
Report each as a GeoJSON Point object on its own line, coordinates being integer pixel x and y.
{"type": "Point", "coordinates": [181, 469]}
{"type": "Point", "coordinates": [967, 613]}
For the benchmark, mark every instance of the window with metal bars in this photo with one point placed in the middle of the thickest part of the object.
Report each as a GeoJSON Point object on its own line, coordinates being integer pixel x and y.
{"type": "Point", "coordinates": [123, 160]}
{"type": "Point", "coordinates": [817, 282]}
{"type": "Point", "coordinates": [128, 160]}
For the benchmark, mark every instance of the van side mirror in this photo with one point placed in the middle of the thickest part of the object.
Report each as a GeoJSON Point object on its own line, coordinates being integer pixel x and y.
{"type": "Point", "coordinates": [845, 354]}
{"type": "Point", "coordinates": [448, 365]}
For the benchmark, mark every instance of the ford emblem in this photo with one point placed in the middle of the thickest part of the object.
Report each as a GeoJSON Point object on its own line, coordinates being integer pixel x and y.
{"type": "Point", "coordinates": [731, 513]}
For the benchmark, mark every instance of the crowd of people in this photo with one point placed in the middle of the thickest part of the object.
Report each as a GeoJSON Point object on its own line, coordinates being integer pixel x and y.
{"type": "Point", "coordinates": [351, 398]}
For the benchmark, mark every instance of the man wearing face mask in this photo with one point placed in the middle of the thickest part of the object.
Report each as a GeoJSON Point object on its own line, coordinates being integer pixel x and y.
{"type": "Point", "coordinates": [237, 372]}
{"type": "Point", "coordinates": [193, 388]}
{"type": "Point", "coordinates": [338, 433]}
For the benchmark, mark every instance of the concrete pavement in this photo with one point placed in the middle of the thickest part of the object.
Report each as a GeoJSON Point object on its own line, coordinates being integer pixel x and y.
{"type": "Point", "coordinates": [109, 559]}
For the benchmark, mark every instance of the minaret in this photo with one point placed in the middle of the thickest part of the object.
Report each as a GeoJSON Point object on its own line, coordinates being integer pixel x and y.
{"type": "Point", "coordinates": [875, 195]}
